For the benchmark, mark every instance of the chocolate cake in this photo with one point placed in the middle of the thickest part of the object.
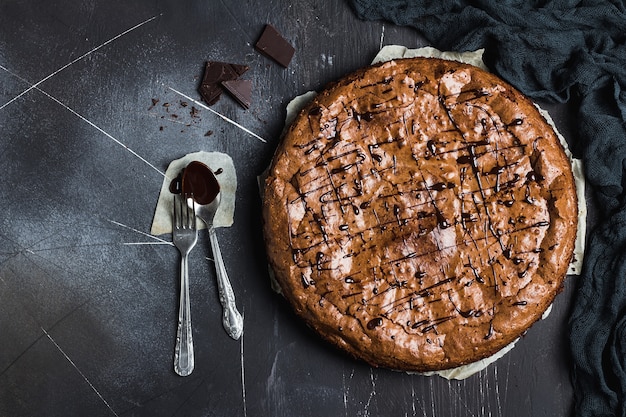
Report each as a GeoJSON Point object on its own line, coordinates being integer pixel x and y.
{"type": "Point", "coordinates": [420, 214]}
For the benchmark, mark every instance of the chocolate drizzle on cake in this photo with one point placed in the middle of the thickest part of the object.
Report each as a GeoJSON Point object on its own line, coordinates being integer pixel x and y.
{"type": "Point", "coordinates": [421, 204]}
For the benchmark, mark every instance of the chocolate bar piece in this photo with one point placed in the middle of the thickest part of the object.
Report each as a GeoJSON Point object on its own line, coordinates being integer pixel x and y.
{"type": "Point", "coordinates": [274, 46]}
{"type": "Point", "coordinates": [214, 74]}
{"type": "Point", "coordinates": [241, 90]}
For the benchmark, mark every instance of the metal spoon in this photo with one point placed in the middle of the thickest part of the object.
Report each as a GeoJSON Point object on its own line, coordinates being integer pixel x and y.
{"type": "Point", "coordinates": [207, 203]}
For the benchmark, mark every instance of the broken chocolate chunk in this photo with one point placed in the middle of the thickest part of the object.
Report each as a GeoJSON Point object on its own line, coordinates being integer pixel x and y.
{"type": "Point", "coordinates": [215, 73]}
{"type": "Point", "coordinates": [241, 90]}
{"type": "Point", "coordinates": [274, 46]}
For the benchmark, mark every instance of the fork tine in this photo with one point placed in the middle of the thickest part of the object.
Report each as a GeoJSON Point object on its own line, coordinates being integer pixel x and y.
{"type": "Point", "coordinates": [176, 220]}
{"type": "Point", "coordinates": [189, 208]}
{"type": "Point", "coordinates": [193, 212]}
{"type": "Point", "coordinates": [184, 212]}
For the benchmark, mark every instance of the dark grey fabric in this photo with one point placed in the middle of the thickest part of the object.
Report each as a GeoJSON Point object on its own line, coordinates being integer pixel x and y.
{"type": "Point", "coordinates": [561, 50]}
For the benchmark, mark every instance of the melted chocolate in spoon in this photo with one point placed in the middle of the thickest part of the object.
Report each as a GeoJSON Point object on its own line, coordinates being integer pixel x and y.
{"type": "Point", "coordinates": [198, 180]}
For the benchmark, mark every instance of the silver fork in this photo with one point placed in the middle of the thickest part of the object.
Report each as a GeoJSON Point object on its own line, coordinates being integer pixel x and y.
{"type": "Point", "coordinates": [184, 236]}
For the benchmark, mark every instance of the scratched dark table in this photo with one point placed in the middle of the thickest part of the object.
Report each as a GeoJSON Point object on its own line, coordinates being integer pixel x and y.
{"type": "Point", "coordinates": [89, 299]}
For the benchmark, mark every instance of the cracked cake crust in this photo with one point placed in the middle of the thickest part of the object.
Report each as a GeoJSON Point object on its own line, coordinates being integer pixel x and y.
{"type": "Point", "coordinates": [420, 214]}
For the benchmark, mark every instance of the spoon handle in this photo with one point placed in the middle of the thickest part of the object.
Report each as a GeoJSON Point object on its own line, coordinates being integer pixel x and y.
{"type": "Point", "coordinates": [231, 318]}
{"type": "Point", "coordinates": [183, 353]}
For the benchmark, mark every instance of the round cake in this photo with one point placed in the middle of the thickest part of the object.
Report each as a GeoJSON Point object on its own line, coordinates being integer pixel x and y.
{"type": "Point", "coordinates": [420, 214]}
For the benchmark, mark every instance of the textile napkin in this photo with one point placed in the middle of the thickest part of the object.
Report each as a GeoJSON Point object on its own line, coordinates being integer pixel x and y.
{"type": "Point", "coordinates": [561, 50]}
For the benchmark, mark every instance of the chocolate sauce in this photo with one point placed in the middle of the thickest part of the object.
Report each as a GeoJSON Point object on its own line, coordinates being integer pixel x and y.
{"type": "Point", "coordinates": [418, 324]}
{"type": "Point", "coordinates": [490, 332]}
{"type": "Point", "coordinates": [441, 220]}
{"type": "Point", "coordinates": [367, 116]}
{"type": "Point", "coordinates": [199, 181]}
{"type": "Point", "coordinates": [466, 159]}
{"type": "Point", "coordinates": [318, 260]}
{"type": "Point", "coordinates": [430, 145]}
{"type": "Point", "coordinates": [467, 313]}
{"type": "Point", "coordinates": [440, 186]}
{"type": "Point", "coordinates": [176, 184]}
{"type": "Point", "coordinates": [315, 111]}
{"type": "Point", "coordinates": [436, 322]}
{"type": "Point", "coordinates": [374, 323]}
{"type": "Point", "coordinates": [523, 273]}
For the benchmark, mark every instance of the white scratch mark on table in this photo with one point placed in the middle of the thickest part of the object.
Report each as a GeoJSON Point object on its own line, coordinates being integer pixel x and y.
{"type": "Point", "coordinates": [157, 240]}
{"type": "Point", "coordinates": [243, 372]}
{"type": "Point", "coordinates": [271, 378]}
{"type": "Point", "coordinates": [79, 371]}
{"type": "Point", "coordinates": [147, 243]}
{"type": "Point", "coordinates": [382, 37]}
{"type": "Point", "coordinates": [431, 390]}
{"type": "Point", "coordinates": [497, 390]}
{"type": "Point", "coordinates": [30, 247]}
{"type": "Point", "coordinates": [459, 398]}
{"type": "Point", "coordinates": [34, 86]}
{"type": "Point", "coordinates": [346, 390]}
{"type": "Point", "coordinates": [372, 393]}
{"type": "Point", "coordinates": [483, 389]}
{"type": "Point", "coordinates": [89, 122]}
{"type": "Point", "coordinates": [275, 387]}
{"type": "Point", "coordinates": [506, 379]}
{"type": "Point", "coordinates": [414, 399]}
{"type": "Point", "coordinates": [235, 18]}
{"type": "Point", "coordinates": [104, 132]}
{"type": "Point", "coordinates": [234, 123]}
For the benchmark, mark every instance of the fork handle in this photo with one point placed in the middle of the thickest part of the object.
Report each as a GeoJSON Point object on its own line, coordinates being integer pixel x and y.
{"type": "Point", "coordinates": [183, 353]}
{"type": "Point", "coordinates": [231, 318]}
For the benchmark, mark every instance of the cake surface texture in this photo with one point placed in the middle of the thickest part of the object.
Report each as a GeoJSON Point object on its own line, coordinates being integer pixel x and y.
{"type": "Point", "coordinates": [420, 214]}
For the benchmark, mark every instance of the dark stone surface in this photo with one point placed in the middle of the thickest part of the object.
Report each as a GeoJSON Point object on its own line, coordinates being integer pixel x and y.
{"type": "Point", "coordinates": [88, 300]}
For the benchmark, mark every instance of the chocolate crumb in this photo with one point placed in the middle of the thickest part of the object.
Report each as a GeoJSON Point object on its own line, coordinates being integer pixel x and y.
{"type": "Point", "coordinates": [208, 133]}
